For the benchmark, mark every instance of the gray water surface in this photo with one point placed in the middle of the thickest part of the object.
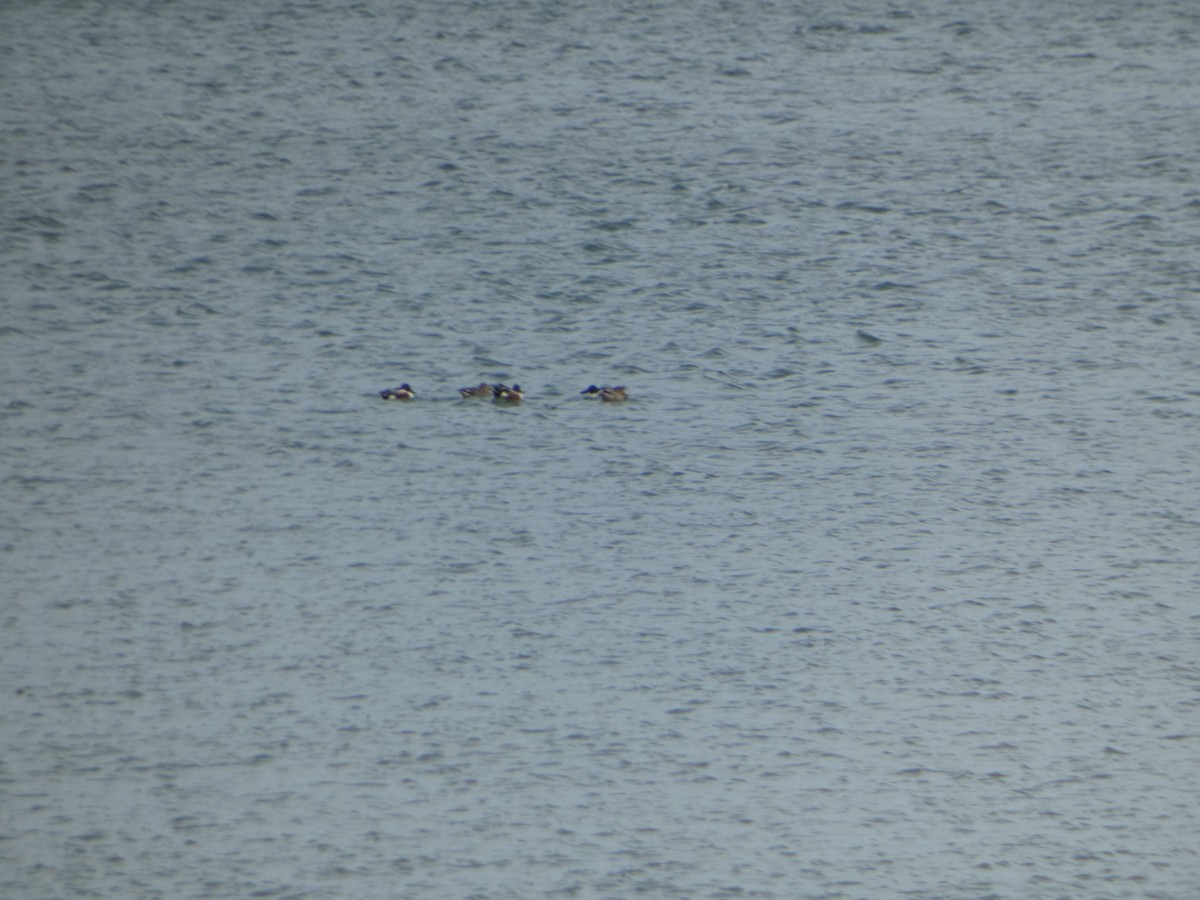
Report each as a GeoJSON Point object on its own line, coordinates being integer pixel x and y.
{"type": "Point", "coordinates": [883, 584]}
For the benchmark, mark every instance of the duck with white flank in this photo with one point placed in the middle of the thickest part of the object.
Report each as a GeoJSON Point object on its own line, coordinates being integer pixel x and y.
{"type": "Point", "coordinates": [502, 393]}
{"type": "Point", "coordinates": [404, 392]}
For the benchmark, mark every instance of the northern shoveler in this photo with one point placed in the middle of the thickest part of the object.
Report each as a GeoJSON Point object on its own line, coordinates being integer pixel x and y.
{"type": "Point", "coordinates": [606, 393]}
{"type": "Point", "coordinates": [404, 392]}
{"type": "Point", "coordinates": [502, 393]}
{"type": "Point", "coordinates": [483, 389]}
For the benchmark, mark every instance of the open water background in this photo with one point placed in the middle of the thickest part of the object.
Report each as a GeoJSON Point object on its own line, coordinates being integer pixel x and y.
{"type": "Point", "coordinates": [812, 616]}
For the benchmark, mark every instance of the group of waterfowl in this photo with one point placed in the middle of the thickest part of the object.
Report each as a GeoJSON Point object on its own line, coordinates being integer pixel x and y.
{"type": "Point", "coordinates": [502, 393]}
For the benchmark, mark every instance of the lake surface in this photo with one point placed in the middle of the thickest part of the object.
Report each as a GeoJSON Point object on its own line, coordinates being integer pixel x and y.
{"type": "Point", "coordinates": [882, 584]}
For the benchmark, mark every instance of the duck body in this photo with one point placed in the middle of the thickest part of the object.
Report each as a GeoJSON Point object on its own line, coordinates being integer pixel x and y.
{"type": "Point", "coordinates": [502, 393]}
{"type": "Point", "coordinates": [404, 392]}
{"type": "Point", "coordinates": [483, 389]}
{"type": "Point", "coordinates": [606, 393]}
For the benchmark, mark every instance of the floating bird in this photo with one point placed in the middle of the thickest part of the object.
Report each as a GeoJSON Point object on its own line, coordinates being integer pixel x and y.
{"type": "Point", "coordinates": [606, 393]}
{"type": "Point", "coordinates": [483, 389]}
{"type": "Point", "coordinates": [404, 392]}
{"type": "Point", "coordinates": [502, 393]}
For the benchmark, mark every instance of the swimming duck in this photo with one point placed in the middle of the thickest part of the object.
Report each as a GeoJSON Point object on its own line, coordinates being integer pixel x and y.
{"type": "Point", "coordinates": [404, 392]}
{"type": "Point", "coordinates": [502, 393]}
{"type": "Point", "coordinates": [483, 389]}
{"type": "Point", "coordinates": [606, 393]}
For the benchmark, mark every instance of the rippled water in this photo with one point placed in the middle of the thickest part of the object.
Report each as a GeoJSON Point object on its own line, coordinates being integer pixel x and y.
{"type": "Point", "coordinates": [882, 584]}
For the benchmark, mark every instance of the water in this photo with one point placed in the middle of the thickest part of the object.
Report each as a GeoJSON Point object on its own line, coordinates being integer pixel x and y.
{"type": "Point", "coordinates": [883, 583]}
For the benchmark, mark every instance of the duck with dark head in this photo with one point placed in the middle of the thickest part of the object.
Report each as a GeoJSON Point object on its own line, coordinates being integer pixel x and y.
{"type": "Point", "coordinates": [404, 392]}
{"type": "Point", "coordinates": [502, 393]}
{"type": "Point", "coordinates": [607, 394]}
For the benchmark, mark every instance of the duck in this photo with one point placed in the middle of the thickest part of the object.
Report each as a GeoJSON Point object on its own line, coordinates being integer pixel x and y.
{"type": "Point", "coordinates": [483, 389]}
{"type": "Point", "coordinates": [502, 393]}
{"type": "Point", "coordinates": [606, 393]}
{"type": "Point", "coordinates": [404, 392]}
